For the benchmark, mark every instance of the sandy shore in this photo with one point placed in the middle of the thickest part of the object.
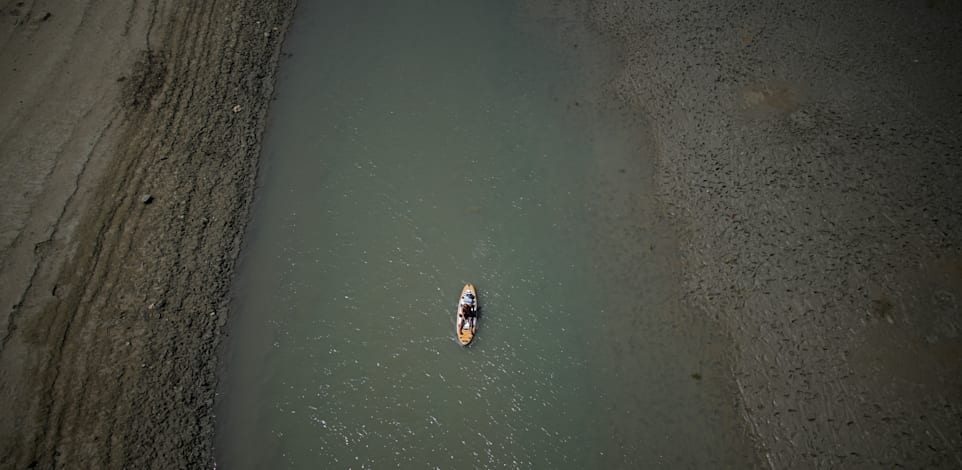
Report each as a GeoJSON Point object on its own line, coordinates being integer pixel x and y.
{"type": "Point", "coordinates": [128, 146]}
{"type": "Point", "coordinates": [810, 158]}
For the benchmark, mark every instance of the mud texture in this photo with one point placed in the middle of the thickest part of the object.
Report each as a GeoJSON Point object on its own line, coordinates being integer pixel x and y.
{"type": "Point", "coordinates": [810, 156]}
{"type": "Point", "coordinates": [129, 138]}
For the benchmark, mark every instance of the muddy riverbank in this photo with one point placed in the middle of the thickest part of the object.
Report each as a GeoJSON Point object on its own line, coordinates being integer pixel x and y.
{"type": "Point", "coordinates": [810, 157]}
{"type": "Point", "coordinates": [129, 144]}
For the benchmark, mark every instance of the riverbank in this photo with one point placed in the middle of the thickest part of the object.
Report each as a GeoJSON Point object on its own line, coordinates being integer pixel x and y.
{"type": "Point", "coordinates": [809, 158]}
{"type": "Point", "coordinates": [129, 150]}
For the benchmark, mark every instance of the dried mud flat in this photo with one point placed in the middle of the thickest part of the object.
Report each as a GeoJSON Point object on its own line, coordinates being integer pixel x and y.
{"type": "Point", "coordinates": [129, 139]}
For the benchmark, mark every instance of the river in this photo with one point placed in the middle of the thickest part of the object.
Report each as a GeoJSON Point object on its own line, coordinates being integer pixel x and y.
{"type": "Point", "coordinates": [414, 147]}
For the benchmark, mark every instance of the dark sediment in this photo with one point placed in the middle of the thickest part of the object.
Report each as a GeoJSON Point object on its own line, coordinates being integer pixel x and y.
{"type": "Point", "coordinates": [810, 159]}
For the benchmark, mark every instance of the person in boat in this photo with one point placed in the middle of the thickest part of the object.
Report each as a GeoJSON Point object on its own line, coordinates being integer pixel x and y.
{"type": "Point", "coordinates": [466, 316]}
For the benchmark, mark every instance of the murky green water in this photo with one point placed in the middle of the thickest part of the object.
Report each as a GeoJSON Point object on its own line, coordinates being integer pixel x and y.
{"type": "Point", "coordinates": [413, 149]}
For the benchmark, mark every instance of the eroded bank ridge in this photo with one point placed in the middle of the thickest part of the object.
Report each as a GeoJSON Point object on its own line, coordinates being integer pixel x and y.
{"type": "Point", "coordinates": [130, 142]}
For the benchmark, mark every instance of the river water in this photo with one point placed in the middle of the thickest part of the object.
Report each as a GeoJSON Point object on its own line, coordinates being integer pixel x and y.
{"type": "Point", "coordinates": [416, 147]}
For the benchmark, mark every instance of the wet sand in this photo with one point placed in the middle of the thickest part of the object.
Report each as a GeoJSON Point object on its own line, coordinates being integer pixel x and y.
{"type": "Point", "coordinates": [809, 161]}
